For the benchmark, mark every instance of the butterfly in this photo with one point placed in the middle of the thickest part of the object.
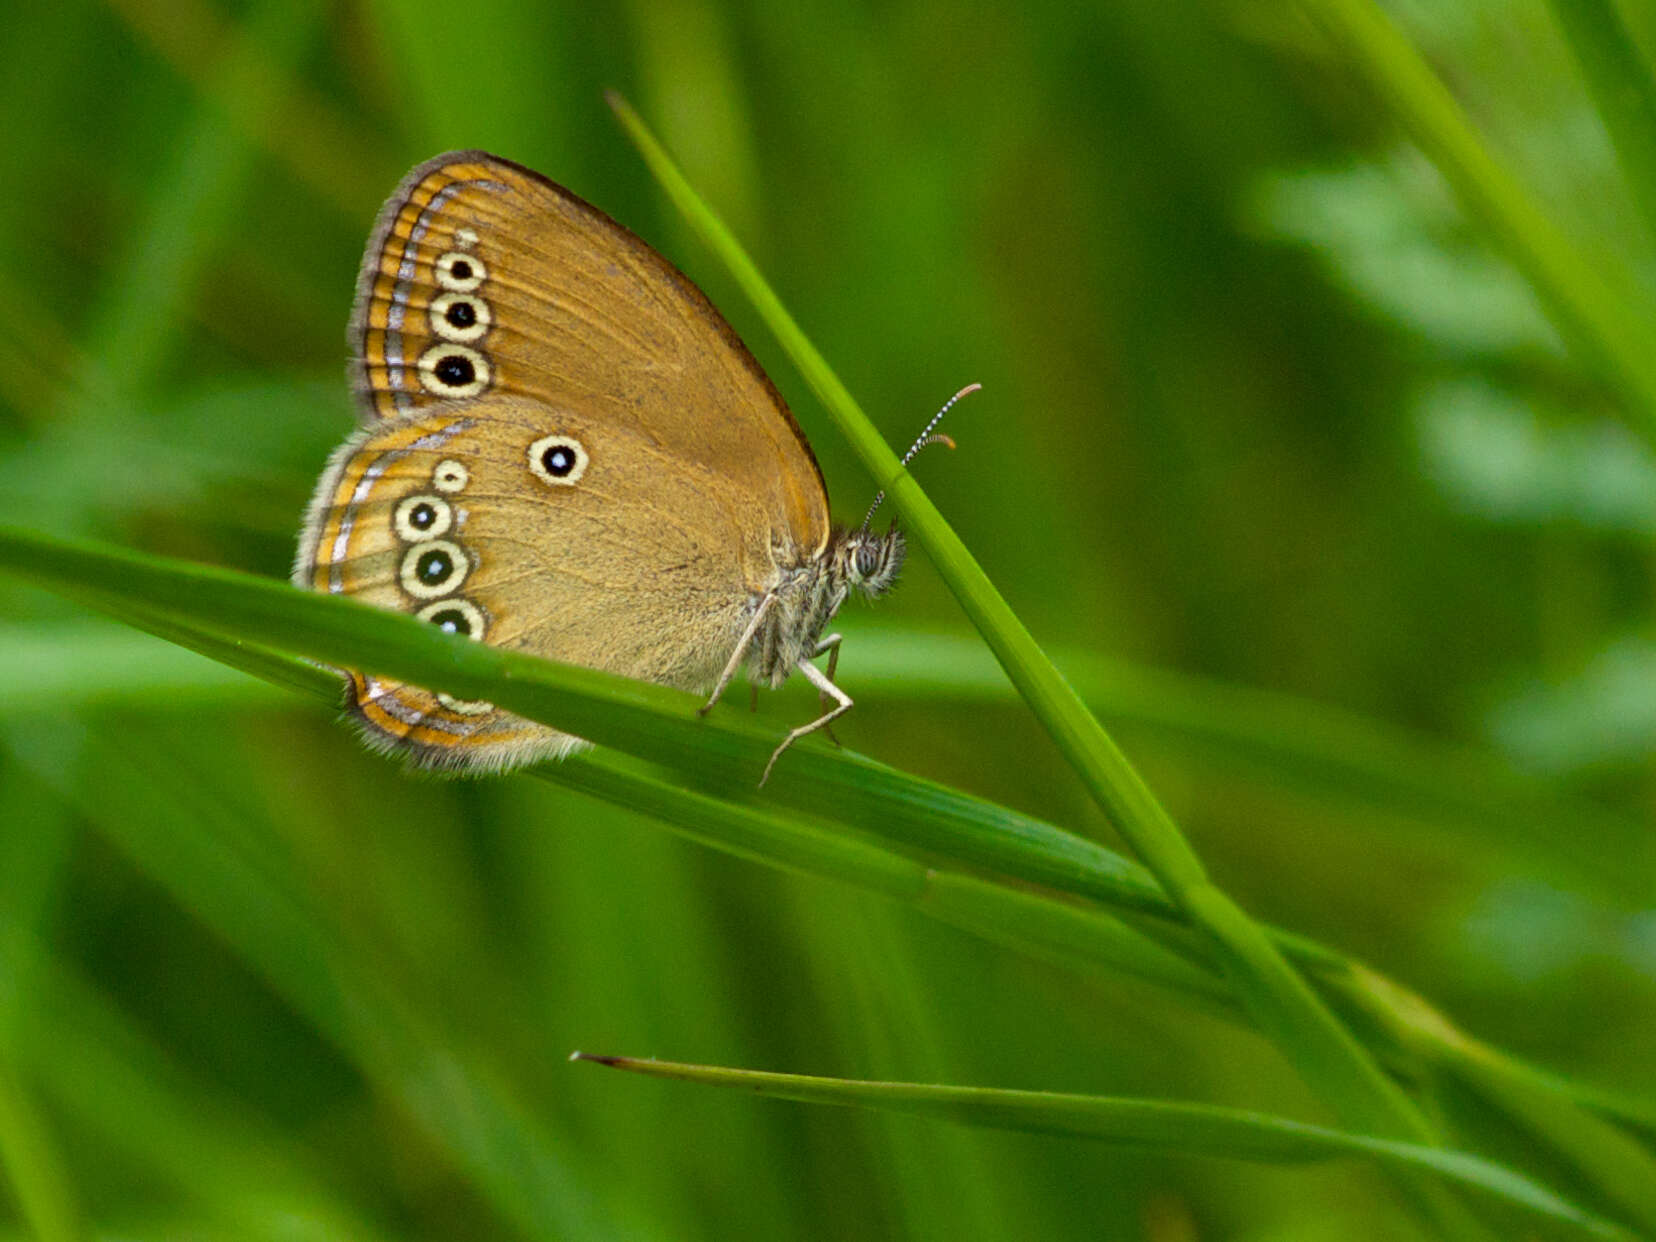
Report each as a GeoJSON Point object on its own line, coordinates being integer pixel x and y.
{"type": "Point", "coordinates": [567, 451]}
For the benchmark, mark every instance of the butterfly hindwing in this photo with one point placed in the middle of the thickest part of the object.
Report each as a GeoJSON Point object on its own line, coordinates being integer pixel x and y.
{"type": "Point", "coordinates": [531, 528]}
{"type": "Point", "coordinates": [385, 510]}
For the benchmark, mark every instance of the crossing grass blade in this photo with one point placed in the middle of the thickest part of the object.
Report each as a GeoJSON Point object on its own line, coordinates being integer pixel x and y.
{"type": "Point", "coordinates": [1283, 1005]}
{"type": "Point", "coordinates": [1137, 932]}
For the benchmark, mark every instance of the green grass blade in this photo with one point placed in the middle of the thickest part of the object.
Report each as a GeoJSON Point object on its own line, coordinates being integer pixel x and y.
{"type": "Point", "coordinates": [33, 1167]}
{"type": "Point", "coordinates": [1352, 763]}
{"type": "Point", "coordinates": [1622, 87]}
{"type": "Point", "coordinates": [725, 751]}
{"type": "Point", "coordinates": [1601, 1154]}
{"type": "Point", "coordinates": [1599, 317]}
{"type": "Point", "coordinates": [913, 813]}
{"type": "Point", "coordinates": [119, 667]}
{"type": "Point", "coordinates": [1284, 1006]}
{"type": "Point", "coordinates": [1585, 1131]}
{"type": "Point", "coordinates": [1157, 1125]}
{"type": "Point", "coordinates": [1355, 763]}
{"type": "Point", "coordinates": [1027, 921]}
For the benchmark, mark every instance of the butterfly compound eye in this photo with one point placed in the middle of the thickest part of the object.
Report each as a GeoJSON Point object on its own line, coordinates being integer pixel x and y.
{"type": "Point", "coordinates": [867, 560]}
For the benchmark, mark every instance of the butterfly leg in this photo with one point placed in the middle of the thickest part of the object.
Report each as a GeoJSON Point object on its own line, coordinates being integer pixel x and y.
{"type": "Point", "coordinates": [734, 664]}
{"type": "Point", "coordinates": [842, 704]}
{"type": "Point", "coordinates": [831, 645]}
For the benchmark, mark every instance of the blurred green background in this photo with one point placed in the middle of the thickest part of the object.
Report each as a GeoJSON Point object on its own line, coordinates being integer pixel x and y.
{"type": "Point", "coordinates": [1276, 452]}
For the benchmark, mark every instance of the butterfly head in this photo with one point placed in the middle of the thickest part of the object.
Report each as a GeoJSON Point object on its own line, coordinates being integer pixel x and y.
{"type": "Point", "coordinates": [869, 561]}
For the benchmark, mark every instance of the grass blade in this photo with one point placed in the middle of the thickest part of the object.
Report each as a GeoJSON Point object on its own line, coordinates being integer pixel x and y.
{"type": "Point", "coordinates": [1600, 318]}
{"type": "Point", "coordinates": [1392, 1019]}
{"type": "Point", "coordinates": [723, 752]}
{"type": "Point", "coordinates": [1157, 1125]}
{"type": "Point", "coordinates": [1620, 81]}
{"type": "Point", "coordinates": [1283, 1005]}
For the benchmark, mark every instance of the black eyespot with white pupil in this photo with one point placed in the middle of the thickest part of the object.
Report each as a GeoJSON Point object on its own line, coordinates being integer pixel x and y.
{"type": "Point", "coordinates": [456, 615]}
{"type": "Point", "coordinates": [448, 370]}
{"type": "Point", "coordinates": [422, 517]}
{"type": "Point", "coordinates": [558, 460]}
{"type": "Point", "coordinates": [452, 620]}
{"type": "Point", "coordinates": [432, 568]}
{"type": "Point", "coordinates": [462, 317]}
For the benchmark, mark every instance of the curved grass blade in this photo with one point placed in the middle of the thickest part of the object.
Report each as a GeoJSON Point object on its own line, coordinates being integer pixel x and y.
{"type": "Point", "coordinates": [1624, 91]}
{"type": "Point", "coordinates": [1157, 1125]}
{"type": "Point", "coordinates": [1283, 1005]}
{"type": "Point", "coordinates": [725, 751]}
{"type": "Point", "coordinates": [1591, 310]}
{"type": "Point", "coordinates": [34, 1167]}
{"type": "Point", "coordinates": [239, 619]}
{"type": "Point", "coordinates": [1349, 761]}
{"type": "Point", "coordinates": [1392, 1020]}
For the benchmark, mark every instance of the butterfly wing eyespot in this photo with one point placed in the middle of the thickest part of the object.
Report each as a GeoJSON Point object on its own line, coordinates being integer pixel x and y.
{"type": "Point", "coordinates": [459, 272]}
{"type": "Point", "coordinates": [422, 516]}
{"type": "Point", "coordinates": [558, 460]}
{"type": "Point", "coordinates": [459, 317]}
{"type": "Point", "coordinates": [433, 568]}
{"type": "Point", "coordinates": [457, 615]}
{"type": "Point", "coordinates": [455, 371]}
{"type": "Point", "coordinates": [450, 475]}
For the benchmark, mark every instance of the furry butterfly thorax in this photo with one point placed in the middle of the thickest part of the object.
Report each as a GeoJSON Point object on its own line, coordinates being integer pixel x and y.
{"type": "Point", "coordinates": [567, 451]}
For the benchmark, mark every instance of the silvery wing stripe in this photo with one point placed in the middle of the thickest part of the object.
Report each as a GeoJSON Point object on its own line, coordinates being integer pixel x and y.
{"type": "Point", "coordinates": [370, 476]}
{"type": "Point", "coordinates": [385, 698]}
{"type": "Point", "coordinates": [436, 439]}
{"type": "Point", "coordinates": [347, 520]}
{"type": "Point", "coordinates": [395, 363]}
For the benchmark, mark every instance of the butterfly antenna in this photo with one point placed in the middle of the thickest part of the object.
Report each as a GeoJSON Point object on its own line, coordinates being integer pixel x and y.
{"type": "Point", "coordinates": [925, 439]}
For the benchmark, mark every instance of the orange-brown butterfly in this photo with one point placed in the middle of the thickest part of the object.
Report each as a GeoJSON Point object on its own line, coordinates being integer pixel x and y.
{"type": "Point", "coordinates": [569, 452]}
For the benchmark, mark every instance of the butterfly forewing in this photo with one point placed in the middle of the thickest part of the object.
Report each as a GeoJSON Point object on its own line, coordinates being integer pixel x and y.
{"type": "Point", "coordinates": [483, 278]}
